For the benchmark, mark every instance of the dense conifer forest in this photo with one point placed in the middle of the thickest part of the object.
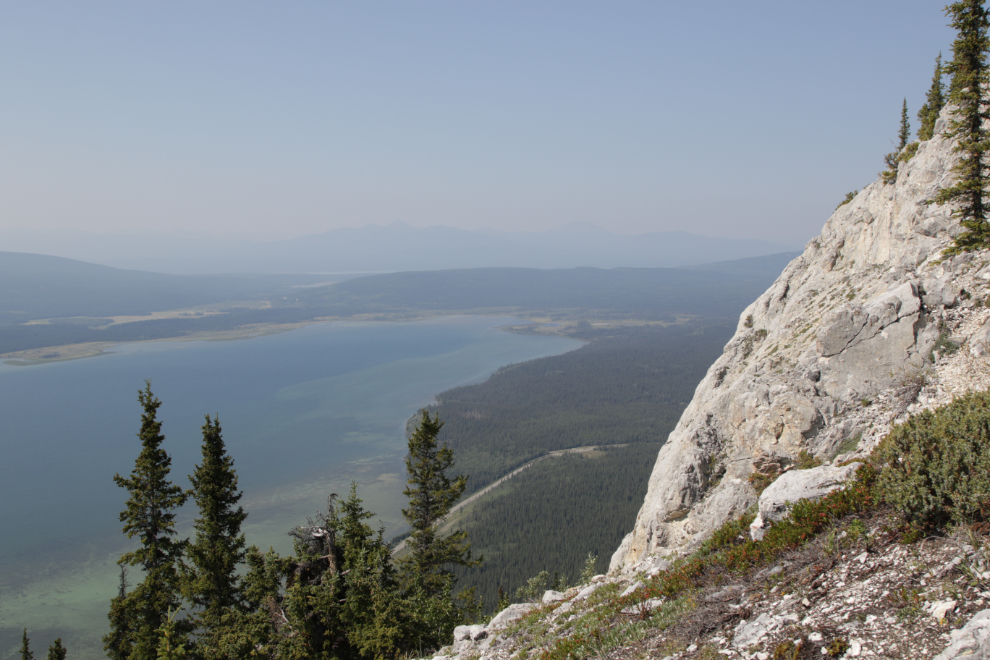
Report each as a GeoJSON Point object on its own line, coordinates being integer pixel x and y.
{"type": "Point", "coordinates": [628, 385]}
{"type": "Point", "coordinates": [624, 390]}
{"type": "Point", "coordinates": [552, 515]}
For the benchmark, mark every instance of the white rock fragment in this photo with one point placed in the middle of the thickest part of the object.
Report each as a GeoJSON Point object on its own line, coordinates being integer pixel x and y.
{"type": "Point", "coordinates": [587, 591]}
{"type": "Point", "coordinates": [751, 632]}
{"type": "Point", "coordinates": [631, 588]}
{"type": "Point", "coordinates": [510, 614]}
{"type": "Point", "coordinates": [942, 609]}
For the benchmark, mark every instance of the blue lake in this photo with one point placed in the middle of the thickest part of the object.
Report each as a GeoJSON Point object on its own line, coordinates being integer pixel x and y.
{"type": "Point", "coordinates": [303, 413]}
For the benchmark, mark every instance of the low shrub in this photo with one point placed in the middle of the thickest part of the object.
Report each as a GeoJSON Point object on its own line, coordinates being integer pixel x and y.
{"type": "Point", "coordinates": [908, 152]}
{"type": "Point", "coordinates": [806, 461]}
{"type": "Point", "coordinates": [936, 466]}
{"type": "Point", "coordinates": [849, 198]}
{"type": "Point", "coordinates": [760, 481]}
{"type": "Point", "coordinates": [848, 445]}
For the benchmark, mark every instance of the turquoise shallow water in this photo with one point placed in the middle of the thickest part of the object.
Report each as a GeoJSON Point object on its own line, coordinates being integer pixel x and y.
{"type": "Point", "coordinates": [303, 413]}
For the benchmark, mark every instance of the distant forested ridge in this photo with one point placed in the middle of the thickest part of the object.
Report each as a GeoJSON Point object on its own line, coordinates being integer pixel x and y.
{"type": "Point", "coordinates": [79, 297]}
{"type": "Point", "coordinates": [633, 292]}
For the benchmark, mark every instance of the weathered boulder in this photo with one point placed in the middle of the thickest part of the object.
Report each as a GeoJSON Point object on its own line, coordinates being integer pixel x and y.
{"type": "Point", "coordinates": [796, 485]}
{"type": "Point", "coordinates": [587, 591]}
{"type": "Point", "coordinates": [979, 343]}
{"type": "Point", "coordinates": [972, 641]}
{"type": "Point", "coordinates": [510, 614]}
{"type": "Point", "coordinates": [470, 633]}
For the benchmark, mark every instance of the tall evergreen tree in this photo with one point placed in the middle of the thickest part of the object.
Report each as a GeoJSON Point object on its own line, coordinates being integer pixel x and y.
{"type": "Point", "coordinates": [377, 621]}
{"type": "Point", "coordinates": [117, 643]}
{"type": "Point", "coordinates": [891, 160]}
{"type": "Point", "coordinates": [171, 639]}
{"type": "Point", "coordinates": [432, 494]}
{"type": "Point", "coordinates": [218, 548]}
{"type": "Point", "coordinates": [341, 599]}
{"type": "Point", "coordinates": [905, 133]}
{"type": "Point", "coordinates": [969, 72]}
{"type": "Point", "coordinates": [259, 628]}
{"type": "Point", "coordinates": [934, 102]}
{"type": "Point", "coordinates": [56, 651]}
{"type": "Point", "coordinates": [150, 515]}
{"type": "Point", "coordinates": [26, 646]}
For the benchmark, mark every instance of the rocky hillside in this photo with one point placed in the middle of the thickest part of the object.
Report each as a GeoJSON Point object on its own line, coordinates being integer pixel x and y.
{"type": "Point", "coordinates": [852, 337]}
{"type": "Point", "coordinates": [866, 327]}
{"type": "Point", "coordinates": [857, 592]}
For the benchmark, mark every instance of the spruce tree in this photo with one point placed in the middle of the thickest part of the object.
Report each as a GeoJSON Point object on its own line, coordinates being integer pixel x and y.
{"type": "Point", "coordinates": [891, 160]}
{"type": "Point", "coordinates": [56, 651]}
{"type": "Point", "coordinates": [218, 548]}
{"type": "Point", "coordinates": [26, 646]}
{"type": "Point", "coordinates": [150, 516]}
{"type": "Point", "coordinates": [377, 622]}
{"type": "Point", "coordinates": [934, 102]}
{"type": "Point", "coordinates": [117, 643]}
{"type": "Point", "coordinates": [905, 133]}
{"type": "Point", "coordinates": [969, 72]}
{"type": "Point", "coordinates": [426, 571]}
{"type": "Point", "coordinates": [171, 640]}
{"type": "Point", "coordinates": [260, 626]}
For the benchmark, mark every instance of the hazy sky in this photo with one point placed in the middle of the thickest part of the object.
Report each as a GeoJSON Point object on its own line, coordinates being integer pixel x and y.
{"type": "Point", "coordinates": [278, 119]}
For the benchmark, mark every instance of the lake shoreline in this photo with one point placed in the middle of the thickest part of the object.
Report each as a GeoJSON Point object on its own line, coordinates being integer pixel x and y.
{"type": "Point", "coordinates": [319, 408]}
{"type": "Point", "coordinates": [537, 325]}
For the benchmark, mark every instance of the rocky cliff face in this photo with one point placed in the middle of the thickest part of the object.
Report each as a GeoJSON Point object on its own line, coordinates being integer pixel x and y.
{"type": "Point", "coordinates": [852, 337]}
{"type": "Point", "coordinates": [866, 327]}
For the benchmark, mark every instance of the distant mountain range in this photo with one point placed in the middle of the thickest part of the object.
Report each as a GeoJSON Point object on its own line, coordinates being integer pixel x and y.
{"type": "Point", "coordinates": [394, 247]}
{"type": "Point", "coordinates": [34, 286]}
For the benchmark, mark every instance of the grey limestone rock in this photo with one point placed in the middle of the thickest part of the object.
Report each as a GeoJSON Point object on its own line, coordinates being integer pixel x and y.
{"type": "Point", "coordinates": [470, 633]}
{"type": "Point", "coordinates": [751, 632]}
{"type": "Point", "coordinates": [645, 606]}
{"type": "Point", "coordinates": [798, 485]}
{"type": "Point", "coordinates": [972, 641]}
{"type": "Point", "coordinates": [631, 588]}
{"type": "Point", "coordinates": [587, 591]}
{"type": "Point", "coordinates": [979, 343]}
{"type": "Point", "coordinates": [510, 614]}
{"type": "Point", "coordinates": [553, 597]}
{"type": "Point", "coordinates": [853, 318]}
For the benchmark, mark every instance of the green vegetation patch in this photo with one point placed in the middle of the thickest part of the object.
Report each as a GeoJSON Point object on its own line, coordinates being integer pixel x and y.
{"type": "Point", "coordinates": [936, 466]}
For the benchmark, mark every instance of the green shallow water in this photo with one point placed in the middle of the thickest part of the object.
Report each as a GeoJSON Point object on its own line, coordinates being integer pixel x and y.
{"type": "Point", "coordinates": [303, 413]}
